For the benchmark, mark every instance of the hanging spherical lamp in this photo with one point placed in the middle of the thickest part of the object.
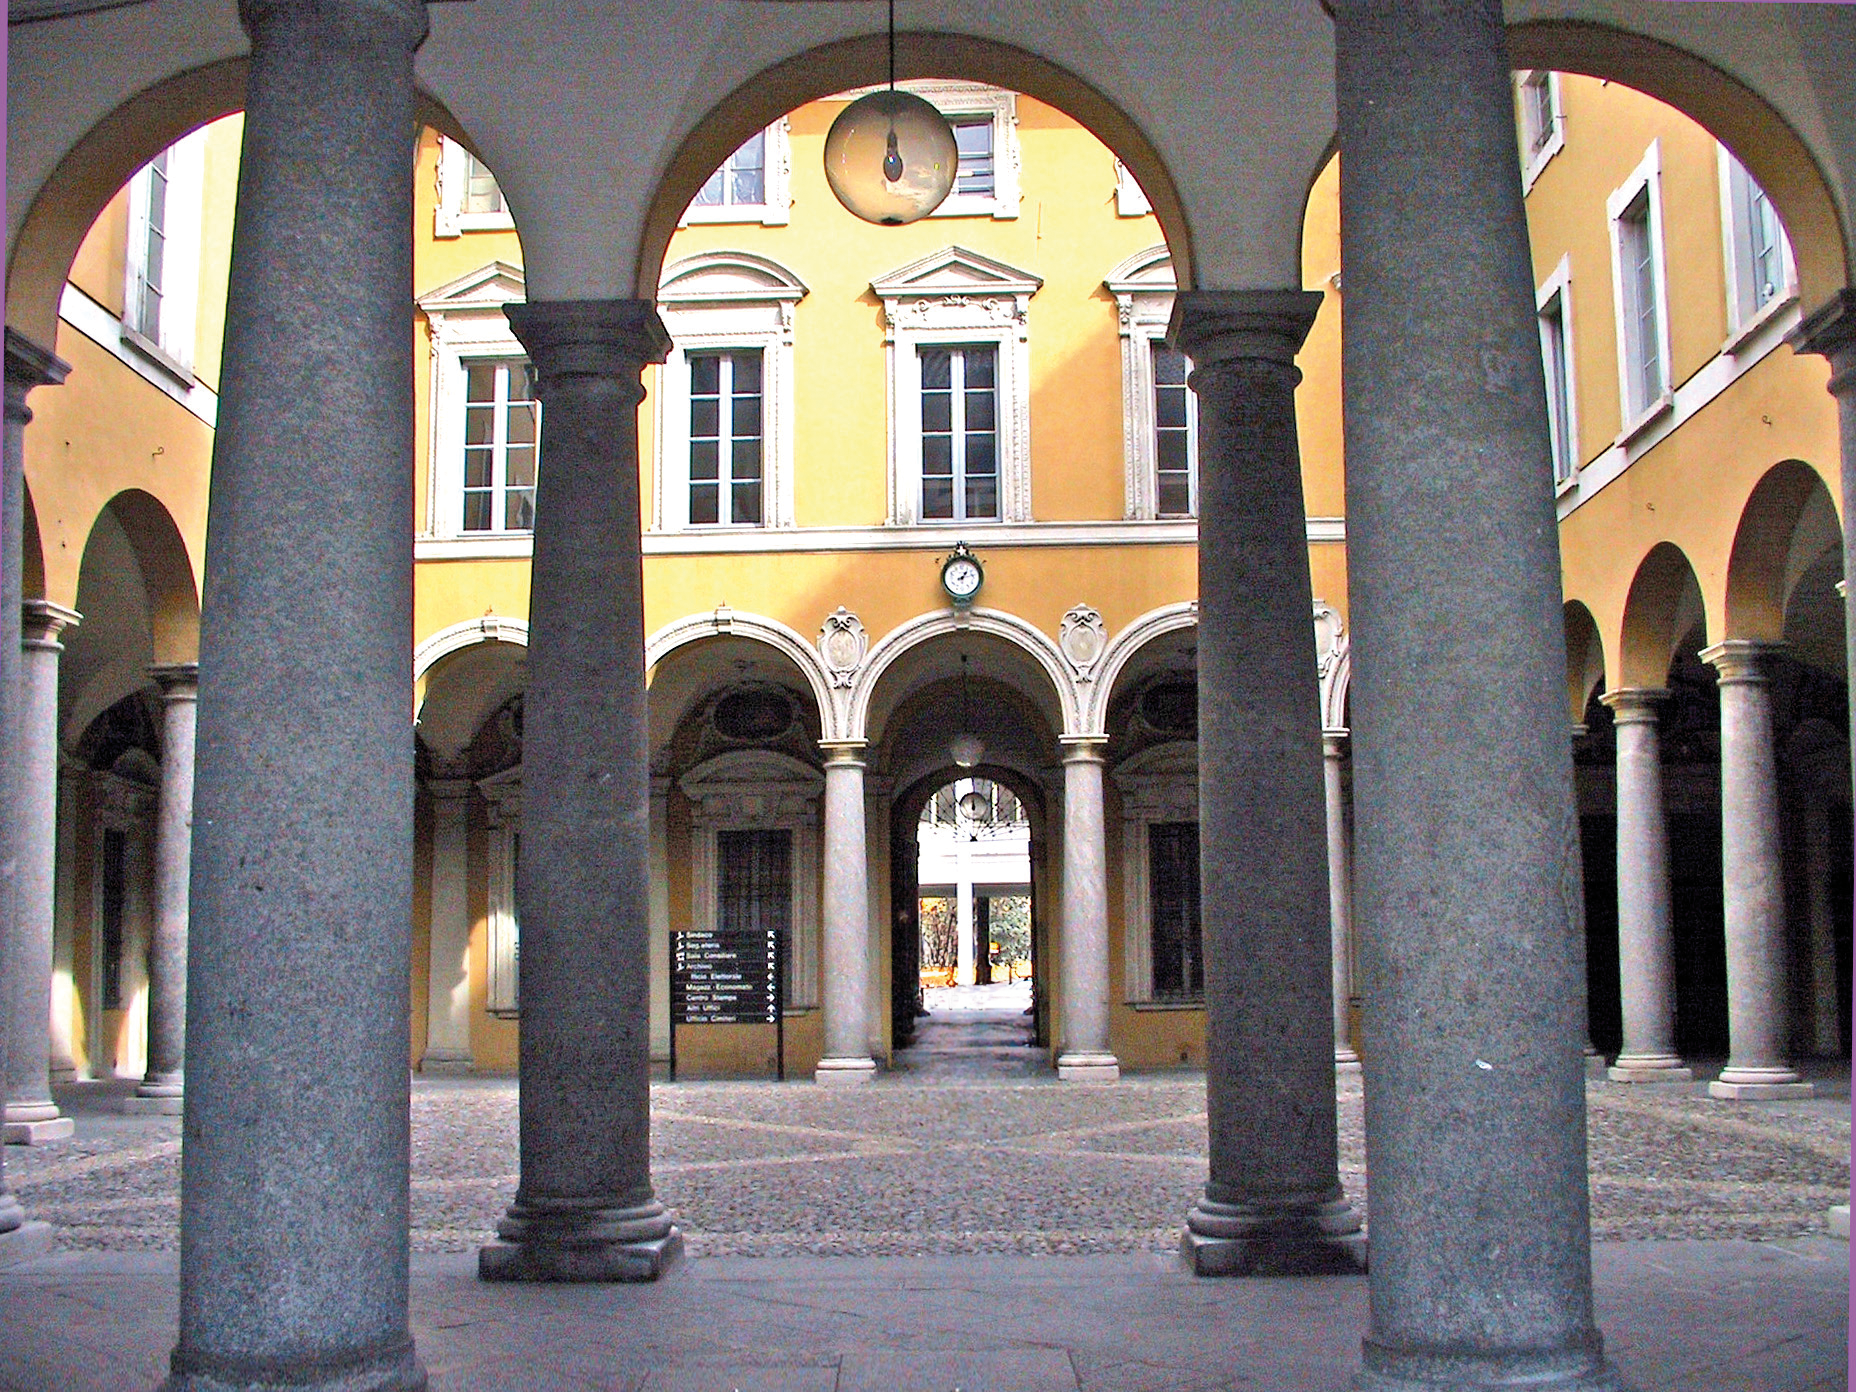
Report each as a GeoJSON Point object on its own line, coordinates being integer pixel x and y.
{"type": "Point", "coordinates": [890, 157]}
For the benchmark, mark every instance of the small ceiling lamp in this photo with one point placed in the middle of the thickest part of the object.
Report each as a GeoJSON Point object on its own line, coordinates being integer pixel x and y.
{"type": "Point", "coordinates": [890, 157]}
{"type": "Point", "coordinates": [965, 747]}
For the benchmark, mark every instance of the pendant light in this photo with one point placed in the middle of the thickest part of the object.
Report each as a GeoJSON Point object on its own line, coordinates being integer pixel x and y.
{"type": "Point", "coordinates": [890, 157]}
{"type": "Point", "coordinates": [965, 747]}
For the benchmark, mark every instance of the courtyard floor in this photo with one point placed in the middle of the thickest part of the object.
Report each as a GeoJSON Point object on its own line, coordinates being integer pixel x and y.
{"type": "Point", "coordinates": [938, 1229]}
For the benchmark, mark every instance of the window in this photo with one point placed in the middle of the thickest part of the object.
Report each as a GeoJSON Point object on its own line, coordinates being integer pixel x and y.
{"type": "Point", "coordinates": [1541, 126]}
{"type": "Point", "coordinates": [1557, 364]}
{"type": "Point", "coordinates": [959, 361]}
{"type": "Point", "coordinates": [1164, 962]}
{"type": "Point", "coordinates": [502, 795]}
{"type": "Point", "coordinates": [161, 262]}
{"type": "Point", "coordinates": [502, 434]}
{"type": "Point", "coordinates": [1639, 292]}
{"type": "Point", "coordinates": [1175, 445]}
{"type": "Point", "coordinates": [1130, 198]}
{"type": "Point", "coordinates": [1159, 411]}
{"type": "Point", "coordinates": [985, 125]}
{"type": "Point", "coordinates": [1759, 255]}
{"type": "Point", "coordinates": [754, 889]}
{"type": "Point", "coordinates": [960, 434]}
{"type": "Point", "coordinates": [724, 396]}
{"type": "Point", "coordinates": [752, 185]}
{"type": "Point", "coordinates": [725, 438]}
{"type": "Point", "coordinates": [467, 197]}
{"type": "Point", "coordinates": [973, 139]}
{"type": "Point", "coordinates": [1173, 897]}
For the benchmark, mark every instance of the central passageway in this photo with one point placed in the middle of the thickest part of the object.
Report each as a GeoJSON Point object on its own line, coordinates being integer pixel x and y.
{"type": "Point", "coordinates": [975, 1034]}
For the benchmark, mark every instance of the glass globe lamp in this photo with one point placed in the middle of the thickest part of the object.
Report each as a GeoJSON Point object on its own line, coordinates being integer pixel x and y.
{"type": "Point", "coordinates": [890, 158]}
{"type": "Point", "coordinates": [966, 750]}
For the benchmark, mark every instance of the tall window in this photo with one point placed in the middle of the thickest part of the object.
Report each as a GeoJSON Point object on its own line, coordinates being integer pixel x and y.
{"type": "Point", "coordinates": [1639, 304]}
{"type": "Point", "coordinates": [1175, 479]}
{"type": "Point", "coordinates": [1758, 256]}
{"type": "Point", "coordinates": [960, 433]}
{"type": "Point", "coordinates": [973, 139]}
{"type": "Point", "coordinates": [161, 257]}
{"type": "Point", "coordinates": [481, 194]}
{"type": "Point", "coordinates": [742, 179]}
{"type": "Point", "coordinates": [1557, 362]}
{"type": "Point", "coordinates": [1173, 893]}
{"type": "Point", "coordinates": [1541, 126]}
{"type": "Point", "coordinates": [151, 272]}
{"type": "Point", "coordinates": [502, 438]}
{"type": "Point", "coordinates": [725, 438]}
{"type": "Point", "coordinates": [754, 888]}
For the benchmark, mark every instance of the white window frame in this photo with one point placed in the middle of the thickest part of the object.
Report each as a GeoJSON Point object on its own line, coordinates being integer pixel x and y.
{"type": "Point", "coordinates": [467, 325]}
{"type": "Point", "coordinates": [168, 343]}
{"type": "Point", "coordinates": [1160, 784]}
{"type": "Point", "coordinates": [1535, 156]}
{"type": "Point", "coordinates": [1558, 288]}
{"type": "Point", "coordinates": [957, 298]}
{"type": "Point", "coordinates": [956, 100]}
{"type": "Point", "coordinates": [502, 401]}
{"type": "Point", "coordinates": [1744, 318]}
{"type": "Point", "coordinates": [502, 797]}
{"type": "Point", "coordinates": [728, 360]}
{"type": "Point", "coordinates": [1130, 198]}
{"type": "Point", "coordinates": [776, 208]}
{"type": "Point", "coordinates": [453, 181]}
{"type": "Point", "coordinates": [760, 790]}
{"type": "Point", "coordinates": [1637, 408]}
{"type": "Point", "coordinates": [725, 301]}
{"type": "Point", "coordinates": [1143, 287]}
{"type": "Point", "coordinates": [957, 431]}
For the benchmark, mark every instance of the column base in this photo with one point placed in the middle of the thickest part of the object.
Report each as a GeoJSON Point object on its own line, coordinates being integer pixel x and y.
{"type": "Point", "coordinates": [1323, 1239]}
{"type": "Point", "coordinates": [139, 1105]}
{"type": "Point", "coordinates": [53, 1128]}
{"type": "Point", "coordinates": [367, 1370]}
{"type": "Point", "coordinates": [841, 1072]}
{"type": "Point", "coordinates": [1088, 1068]}
{"type": "Point", "coordinates": [1759, 1092]}
{"type": "Point", "coordinates": [1525, 1370]}
{"type": "Point", "coordinates": [446, 1063]}
{"type": "Point", "coordinates": [1650, 1068]}
{"type": "Point", "coordinates": [1838, 1221]}
{"type": "Point", "coordinates": [28, 1242]}
{"type": "Point", "coordinates": [581, 1242]}
{"type": "Point", "coordinates": [1346, 1059]}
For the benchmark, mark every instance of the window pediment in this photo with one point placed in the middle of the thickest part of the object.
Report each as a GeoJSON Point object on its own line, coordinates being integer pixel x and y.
{"type": "Point", "coordinates": [722, 277]}
{"type": "Point", "coordinates": [957, 278]}
{"type": "Point", "coordinates": [489, 287]}
{"type": "Point", "coordinates": [752, 785]}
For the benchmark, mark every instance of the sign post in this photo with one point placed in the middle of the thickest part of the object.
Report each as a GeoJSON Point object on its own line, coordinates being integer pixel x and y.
{"type": "Point", "coordinates": [727, 977]}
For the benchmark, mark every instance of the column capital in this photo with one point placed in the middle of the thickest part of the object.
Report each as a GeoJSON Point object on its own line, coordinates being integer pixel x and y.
{"type": "Point", "coordinates": [448, 789]}
{"type": "Point", "coordinates": [409, 16]}
{"type": "Point", "coordinates": [28, 366]}
{"type": "Point", "coordinates": [843, 753]}
{"type": "Point", "coordinates": [179, 681]}
{"type": "Point", "coordinates": [1214, 327]}
{"type": "Point", "coordinates": [1334, 742]}
{"type": "Point", "coordinates": [1830, 330]}
{"type": "Point", "coordinates": [1739, 661]}
{"type": "Point", "coordinates": [1635, 705]}
{"type": "Point", "coordinates": [589, 338]}
{"type": "Point", "coordinates": [41, 622]}
{"type": "Point", "coordinates": [1083, 749]}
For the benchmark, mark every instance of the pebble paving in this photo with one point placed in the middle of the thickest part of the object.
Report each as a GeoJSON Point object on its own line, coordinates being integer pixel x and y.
{"type": "Point", "coordinates": [915, 1167]}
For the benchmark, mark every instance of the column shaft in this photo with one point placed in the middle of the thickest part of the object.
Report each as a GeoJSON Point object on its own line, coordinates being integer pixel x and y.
{"type": "Point", "coordinates": [31, 1114]}
{"type": "Point", "coordinates": [847, 921]}
{"type": "Point", "coordinates": [294, 1200]}
{"type": "Point", "coordinates": [585, 1209]}
{"type": "Point", "coordinates": [1273, 1204]}
{"type": "Point", "coordinates": [1083, 1053]}
{"type": "Point", "coordinates": [1340, 896]}
{"type": "Point", "coordinates": [1466, 846]}
{"type": "Point", "coordinates": [161, 1089]}
{"type": "Point", "coordinates": [27, 366]}
{"type": "Point", "coordinates": [1646, 934]}
{"type": "Point", "coordinates": [1752, 882]}
{"type": "Point", "coordinates": [447, 1010]}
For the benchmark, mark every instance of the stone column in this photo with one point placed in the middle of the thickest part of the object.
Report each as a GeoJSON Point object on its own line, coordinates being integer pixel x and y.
{"type": "Point", "coordinates": [161, 1089]}
{"type": "Point", "coordinates": [294, 1199]}
{"type": "Point", "coordinates": [1646, 937]}
{"type": "Point", "coordinates": [847, 920]}
{"type": "Point", "coordinates": [1752, 882]}
{"type": "Point", "coordinates": [1340, 897]}
{"type": "Point", "coordinates": [1083, 1053]}
{"type": "Point", "coordinates": [1466, 836]}
{"type": "Point", "coordinates": [32, 1117]}
{"type": "Point", "coordinates": [1826, 1035]}
{"type": "Point", "coordinates": [585, 1209]}
{"type": "Point", "coordinates": [447, 1010]}
{"type": "Point", "coordinates": [1273, 1204]}
{"type": "Point", "coordinates": [27, 366]}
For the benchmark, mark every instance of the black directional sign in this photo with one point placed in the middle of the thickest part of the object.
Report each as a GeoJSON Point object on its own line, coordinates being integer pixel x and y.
{"type": "Point", "coordinates": [725, 978]}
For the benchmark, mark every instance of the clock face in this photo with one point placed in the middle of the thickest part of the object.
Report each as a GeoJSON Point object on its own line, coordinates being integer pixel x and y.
{"type": "Point", "coordinates": [961, 577]}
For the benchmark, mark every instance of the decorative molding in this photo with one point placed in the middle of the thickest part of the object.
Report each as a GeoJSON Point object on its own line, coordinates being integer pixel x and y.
{"type": "Point", "coordinates": [842, 642]}
{"type": "Point", "coordinates": [1083, 637]}
{"type": "Point", "coordinates": [1143, 286]}
{"type": "Point", "coordinates": [1333, 664]}
{"type": "Point", "coordinates": [993, 622]}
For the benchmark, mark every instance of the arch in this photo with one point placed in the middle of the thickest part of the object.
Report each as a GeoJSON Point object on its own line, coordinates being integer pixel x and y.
{"type": "Point", "coordinates": [491, 628]}
{"type": "Point", "coordinates": [1155, 623]}
{"type": "Point", "coordinates": [1151, 268]}
{"type": "Point", "coordinates": [991, 623]}
{"type": "Point", "coordinates": [1585, 658]}
{"type": "Point", "coordinates": [821, 71]}
{"type": "Point", "coordinates": [724, 621]}
{"type": "Point", "coordinates": [1663, 607]}
{"type": "Point", "coordinates": [76, 191]}
{"type": "Point", "coordinates": [1787, 523]}
{"type": "Point", "coordinates": [1742, 120]}
{"type": "Point", "coordinates": [167, 573]}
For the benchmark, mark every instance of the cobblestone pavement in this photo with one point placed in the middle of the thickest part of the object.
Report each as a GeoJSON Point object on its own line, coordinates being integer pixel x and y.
{"type": "Point", "coordinates": [908, 1167]}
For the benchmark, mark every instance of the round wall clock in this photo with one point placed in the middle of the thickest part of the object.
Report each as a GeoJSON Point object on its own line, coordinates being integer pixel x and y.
{"type": "Point", "coordinates": [962, 575]}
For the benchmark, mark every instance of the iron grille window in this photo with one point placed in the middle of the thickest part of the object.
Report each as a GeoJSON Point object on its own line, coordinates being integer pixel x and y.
{"type": "Point", "coordinates": [1173, 890]}
{"type": "Point", "coordinates": [754, 888]}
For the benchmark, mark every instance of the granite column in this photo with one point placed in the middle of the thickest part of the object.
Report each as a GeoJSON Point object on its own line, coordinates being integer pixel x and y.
{"type": "Point", "coordinates": [1340, 895]}
{"type": "Point", "coordinates": [847, 920]}
{"type": "Point", "coordinates": [1646, 934]}
{"type": "Point", "coordinates": [1083, 1053]}
{"type": "Point", "coordinates": [294, 1198]}
{"type": "Point", "coordinates": [161, 1089]}
{"type": "Point", "coordinates": [1273, 1204]}
{"type": "Point", "coordinates": [1466, 844]}
{"type": "Point", "coordinates": [31, 1114]}
{"type": "Point", "coordinates": [585, 1209]}
{"type": "Point", "coordinates": [1752, 882]}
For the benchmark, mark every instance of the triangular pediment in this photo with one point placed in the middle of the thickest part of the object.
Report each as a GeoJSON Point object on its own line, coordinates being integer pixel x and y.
{"type": "Point", "coordinates": [488, 287]}
{"type": "Point", "coordinates": [750, 768]}
{"type": "Point", "coordinates": [737, 276]}
{"type": "Point", "coordinates": [954, 270]}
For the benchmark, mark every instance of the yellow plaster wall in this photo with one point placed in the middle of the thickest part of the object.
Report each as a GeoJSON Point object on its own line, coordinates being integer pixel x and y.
{"type": "Point", "coordinates": [1317, 399]}
{"type": "Point", "coordinates": [220, 198]}
{"type": "Point", "coordinates": [98, 268]}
